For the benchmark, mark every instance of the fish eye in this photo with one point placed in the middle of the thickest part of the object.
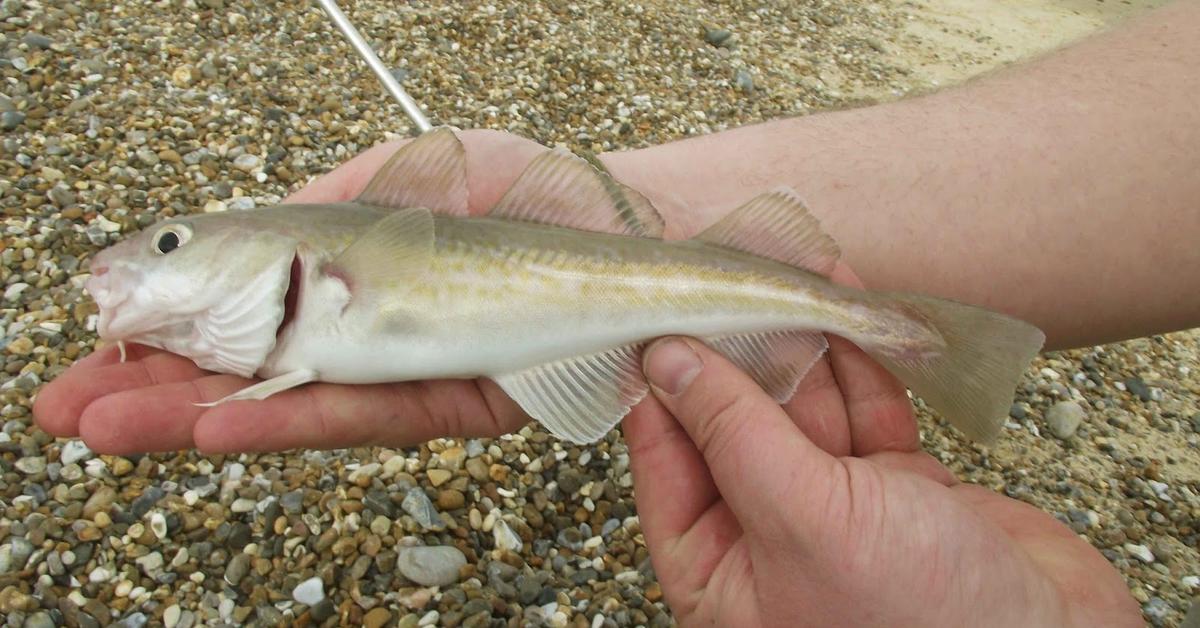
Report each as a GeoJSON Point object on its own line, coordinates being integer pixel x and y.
{"type": "Point", "coordinates": [170, 238]}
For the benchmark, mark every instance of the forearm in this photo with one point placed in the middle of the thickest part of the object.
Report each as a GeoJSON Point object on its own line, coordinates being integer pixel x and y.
{"type": "Point", "coordinates": [1065, 191]}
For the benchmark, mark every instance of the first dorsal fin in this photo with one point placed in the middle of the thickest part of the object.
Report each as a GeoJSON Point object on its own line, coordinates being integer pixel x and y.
{"type": "Point", "coordinates": [776, 225]}
{"type": "Point", "coordinates": [430, 172]}
{"type": "Point", "coordinates": [559, 188]}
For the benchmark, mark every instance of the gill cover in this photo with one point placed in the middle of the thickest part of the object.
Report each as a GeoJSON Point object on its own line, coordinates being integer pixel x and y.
{"type": "Point", "coordinates": [210, 288]}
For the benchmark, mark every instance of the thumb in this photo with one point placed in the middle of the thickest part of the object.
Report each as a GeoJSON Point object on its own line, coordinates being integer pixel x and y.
{"type": "Point", "coordinates": [759, 459]}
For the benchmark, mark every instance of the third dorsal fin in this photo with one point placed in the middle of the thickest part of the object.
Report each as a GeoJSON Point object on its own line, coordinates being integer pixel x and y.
{"type": "Point", "coordinates": [559, 188]}
{"type": "Point", "coordinates": [776, 225]}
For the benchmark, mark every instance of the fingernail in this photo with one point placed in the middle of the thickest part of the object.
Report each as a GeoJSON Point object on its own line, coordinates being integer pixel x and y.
{"type": "Point", "coordinates": [671, 365]}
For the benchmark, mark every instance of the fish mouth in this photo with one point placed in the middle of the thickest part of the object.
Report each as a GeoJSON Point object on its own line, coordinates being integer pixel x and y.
{"type": "Point", "coordinates": [292, 296]}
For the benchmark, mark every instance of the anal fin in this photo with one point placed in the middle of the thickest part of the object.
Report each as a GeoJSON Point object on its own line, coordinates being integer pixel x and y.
{"type": "Point", "coordinates": [777, 360]}
{"type": "Point", "coordinates": [580, 399]}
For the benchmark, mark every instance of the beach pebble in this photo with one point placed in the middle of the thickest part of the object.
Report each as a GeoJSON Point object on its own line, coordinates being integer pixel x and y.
{"type": "Point", "coordinates": [1064, 418]}
{"type": "Point", "coordinates": [431, 566]}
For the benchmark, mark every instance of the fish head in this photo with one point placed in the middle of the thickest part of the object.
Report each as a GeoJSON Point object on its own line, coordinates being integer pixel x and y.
{"type": "Point", "coordinates": [212, 289]}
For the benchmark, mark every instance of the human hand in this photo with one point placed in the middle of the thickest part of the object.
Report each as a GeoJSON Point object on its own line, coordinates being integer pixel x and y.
{"type": "Point", "coordinates": [825, 512]}
{"type": "Point", "coordinates": [148, 402]}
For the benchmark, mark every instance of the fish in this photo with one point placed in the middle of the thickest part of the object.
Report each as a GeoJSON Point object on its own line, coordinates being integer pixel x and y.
{"type": "Point", "coordinates": [553, 294]}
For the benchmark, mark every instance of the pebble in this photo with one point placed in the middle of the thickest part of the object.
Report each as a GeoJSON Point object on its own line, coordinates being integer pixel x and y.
{"type": "Point", "coordinates": [1140, 552]}
{"type": "Point", "coordinates": [1064, 418]}
{"type": "Point", "coordinates": [309, 592]}
{"type": "Point", "coordinates": [431, 566]}
{"type": "Point", "coordinates": [504, 536]}
{"type": "Point", "coordinates": [416, 503]}
{"type": "Point", "coordinates": [74, 451]}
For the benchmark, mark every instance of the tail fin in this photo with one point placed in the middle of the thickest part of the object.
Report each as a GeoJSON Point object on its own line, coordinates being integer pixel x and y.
{"type": "Point", "coordinates": [971, 382]}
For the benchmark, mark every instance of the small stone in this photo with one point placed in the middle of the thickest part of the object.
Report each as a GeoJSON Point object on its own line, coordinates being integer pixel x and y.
{"type": "Point", "coordinates": [1157, 609]}
{"type": "Point", "coordinates": [377, 617]}
{"type": "Point", "coordinates": [158, 525]}
{"type": "Point", "coordinates": [10, 120]}
{"type": "Point", "coordinates": [438, 477]}
{"type": "Point", "coordinates": [451, 499]}
{"type": "Point", "coordinates": [505, 537]}
{"type": "Point", "coordinates": [171, 616]}
{"type": "Point", "coordinates": [478, 469]}
{"type": "Point", "coordinates": [717, 36]}
{"type": "Point", "coordinates": [31, 465]}
{"type": "Point", "coordinates": [74, 451]}
{"type": "Point", "coordinates": [309, 592]}
{"type": "Point", "coordinates": [1064, 418]}
{"type": "Point", "coordinates": [743, 80]}
{"type": "Point", "coordinates": [1140, 552]}
{"type": "Point", "coordinates": [247, 162]}
{"type": "Point", "coordinates": [237, 568]}
{"type": "Point", "coordinates": [1137, 387]}
{"type": "Point", "coordinates": [21, 345]}
{"type": "Point", "coordinates": [416, 503]}
{"type": "Point", "coordinates": [213, 206]}
{"type": "Point", "coordinates": [431, 566]}
{"type": "Point", "coordinates": [183, 76]}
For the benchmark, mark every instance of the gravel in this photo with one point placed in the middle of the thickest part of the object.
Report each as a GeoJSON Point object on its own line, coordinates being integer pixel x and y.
{"type": "Point", "coordinates": [116, 116]}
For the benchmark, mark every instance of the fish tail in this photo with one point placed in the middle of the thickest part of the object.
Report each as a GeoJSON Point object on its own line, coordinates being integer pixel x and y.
{"type": "Point", "coordinates": [971, 380]}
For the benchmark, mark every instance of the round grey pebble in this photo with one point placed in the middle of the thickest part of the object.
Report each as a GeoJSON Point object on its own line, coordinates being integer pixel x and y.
{"type": "Point", "coordinates": [1064, 418]}
{"type": "Point", "coordinates": [431, 566]}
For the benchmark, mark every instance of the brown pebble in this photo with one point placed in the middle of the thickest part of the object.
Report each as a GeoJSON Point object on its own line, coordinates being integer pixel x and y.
{"type": "Point", "coordinates": [450, 499]}
{"type": "Point", "coordinates": [377, 617]}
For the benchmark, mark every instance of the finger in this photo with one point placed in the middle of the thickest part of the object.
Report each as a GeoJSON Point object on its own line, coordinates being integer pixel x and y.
{"type": "Point", "coordinates": [152, 417]}
{"type": "Point", "coordinates": [879, 411]}
{"type": "Point", "coordinates": [328, 416]}
{"type": "Point", "coordinates": [818, 409]}
{"type": "Point", "coordinates": [59, 406]}
{"type": "Point", "coordinates": [759, 460]}
{"type": "Point", "coordinates": [687, 525]}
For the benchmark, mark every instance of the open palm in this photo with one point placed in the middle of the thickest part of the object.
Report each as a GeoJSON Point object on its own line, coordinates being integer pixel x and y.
{"type": "Point", "coordinates": [825, 512]}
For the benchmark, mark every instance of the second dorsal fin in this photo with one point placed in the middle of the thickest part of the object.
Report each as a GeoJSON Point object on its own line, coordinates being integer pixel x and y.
{"type": "Point", "coordinates": [559, 188]}
{"type": "Point", "coordinates": [776, 225]}
{"type": "Point", "coordinates": [429, 172]}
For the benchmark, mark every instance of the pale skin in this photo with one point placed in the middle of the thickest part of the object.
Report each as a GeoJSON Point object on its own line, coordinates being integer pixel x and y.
{"type": "Point", "coordinates": [1057, 191]}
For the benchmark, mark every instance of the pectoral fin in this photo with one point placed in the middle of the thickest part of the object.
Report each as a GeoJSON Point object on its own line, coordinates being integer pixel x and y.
{"type": "Point", "coordinates": [580, 399]}
{"type": "Point", "coordinates": [392, 254]}
{"type": "Point", "coordinates": [266, 388]}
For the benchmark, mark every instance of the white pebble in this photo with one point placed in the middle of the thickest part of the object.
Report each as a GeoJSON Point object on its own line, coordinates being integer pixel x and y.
{"type": "Point", "coordinates": [1190, 582]}
{"type": "Point", "coordinates": [504, 536]}
{"type": "Point", "coordinates": [158, 525]}
{"type": "Point", "coordinates": [242, 504]}
{"type": "Point", "coordinates": [73, 451]}
{"type": "Point", "coordinates": [1140, 552]}
{"type": "Point", "coordinates": [171, 616]}
{"type": "Point", "coordinates": [13, 292]}
{"type": "Point", "coordinates": [100, 574]}
{"type": "Point", "coordinates": [309, 592]}
{"type": "Point", "coordinates": [429, 619]}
